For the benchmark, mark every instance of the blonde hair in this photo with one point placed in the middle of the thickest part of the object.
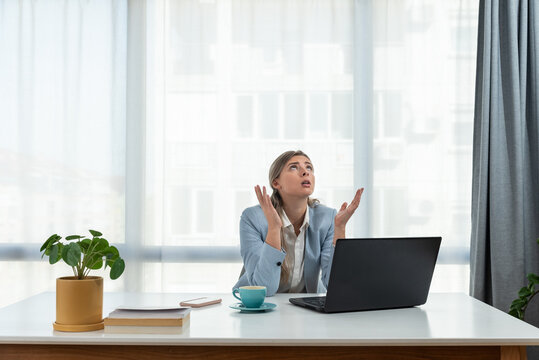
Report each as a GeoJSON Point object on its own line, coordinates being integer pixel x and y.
{"type": "Point", "coordinates": [274, 172]}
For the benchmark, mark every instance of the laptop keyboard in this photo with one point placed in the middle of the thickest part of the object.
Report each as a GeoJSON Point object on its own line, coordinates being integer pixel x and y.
{"type": "Point", "coordinates": [319, 301]}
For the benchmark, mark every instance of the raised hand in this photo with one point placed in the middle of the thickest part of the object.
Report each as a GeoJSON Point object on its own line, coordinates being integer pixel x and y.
{"type": "Point", "coordinates": [273, 218]}
{"type": "Point", "coordinates": [344, 214]}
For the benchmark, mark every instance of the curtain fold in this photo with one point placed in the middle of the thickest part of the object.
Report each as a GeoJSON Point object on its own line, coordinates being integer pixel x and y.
{"type": "Point", "coordinates": [505, 196]}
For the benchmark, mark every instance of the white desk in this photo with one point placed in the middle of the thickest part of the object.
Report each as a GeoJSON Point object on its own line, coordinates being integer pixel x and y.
{"type": "Point", "coordinates": [448, 326]}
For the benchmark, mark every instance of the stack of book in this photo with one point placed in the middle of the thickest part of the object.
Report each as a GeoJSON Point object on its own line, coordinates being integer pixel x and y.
{"type": "Point", "coordinates": [147, 320]}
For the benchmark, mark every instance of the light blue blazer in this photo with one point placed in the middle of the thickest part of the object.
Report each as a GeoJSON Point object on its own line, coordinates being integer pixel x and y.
{"type": "Point", "coordinates": [262, 262]}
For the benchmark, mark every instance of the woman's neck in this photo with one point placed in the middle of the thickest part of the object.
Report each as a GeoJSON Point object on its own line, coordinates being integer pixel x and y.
{"type": "Point", "coordinates": [295, 211]}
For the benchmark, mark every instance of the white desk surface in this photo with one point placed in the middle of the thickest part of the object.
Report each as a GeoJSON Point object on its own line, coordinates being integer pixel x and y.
{"type": "Point", "coordinates": [445, 320]}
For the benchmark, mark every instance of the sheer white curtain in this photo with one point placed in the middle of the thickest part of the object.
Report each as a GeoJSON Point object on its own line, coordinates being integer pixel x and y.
{"type": "Point", "coordinates": [378, 93]}
{"type": "Point", "coordinates": [424, 55]}
{"type": "Point", "coordinates": [234, 83]}
{"type": "Point", "coordinates": [62, 131]}
{"type": "Point", "coordinates": [231, 85]}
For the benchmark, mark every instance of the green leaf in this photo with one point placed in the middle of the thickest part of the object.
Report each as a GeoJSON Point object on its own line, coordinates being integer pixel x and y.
{"type": "Point", "coordinates": [524, 292]}
{"type": "Point", "coordinates": [117, 269]}
{"type": "Point", "coordinates": [518, 303]}
{"type": "Point", "coordinates": [95, 262]}
{"type": "Point", "coordinates": [50, 240]}
{"type": "Point", "coordinates": [514, 313]}
{"type": "Point", "coordinates": [73, 253]}
{"type": "Point", "coordinates": [100, 244]}
{"type": "Point", "coordinates": [95, 233]}
{"type": "Point", "coordinates": [111, 254]}
{"type": "Point", "coordinates": [60, 251]}
{"type": "Point", "coordinates": [53, 257]}
{"type": "Point", "coordinates": [74, 237]}
{"type": "Point", "coordinates": [84, 245]}
{"type": "Point", "coordinates": [521, 301]}
{"type": "Point", "coordinates": [533, 278]}
{"type": "Point", "coordinates": [64, 252]}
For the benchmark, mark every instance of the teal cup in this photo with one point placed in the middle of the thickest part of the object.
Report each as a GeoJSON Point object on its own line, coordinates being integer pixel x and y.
{"type": "Point", "coordinates": [250, 296]}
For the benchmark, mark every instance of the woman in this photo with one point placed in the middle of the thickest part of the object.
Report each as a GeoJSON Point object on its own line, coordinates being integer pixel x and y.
{"type": "Point", "coordinates": [288, 238]}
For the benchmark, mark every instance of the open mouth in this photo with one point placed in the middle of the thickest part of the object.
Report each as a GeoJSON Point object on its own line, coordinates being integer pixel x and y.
{"type": "Point", "coordinates": [306, 183]}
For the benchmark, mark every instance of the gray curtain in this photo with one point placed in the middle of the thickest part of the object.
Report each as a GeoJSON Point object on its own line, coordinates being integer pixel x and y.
{"type": "Point", "coordinates": [505, 197]}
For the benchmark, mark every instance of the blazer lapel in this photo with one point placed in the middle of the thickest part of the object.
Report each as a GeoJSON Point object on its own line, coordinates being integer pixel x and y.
{"type": "Point", "coordinates": [312, 251]}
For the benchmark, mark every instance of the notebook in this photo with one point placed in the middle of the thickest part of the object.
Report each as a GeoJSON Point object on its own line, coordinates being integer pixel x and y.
{"type": "Point", "coordinates": [148, 316]}
{"type": "Point", "coordinates": [381, 273]}
{"type": "Point", "coordinates": [128, 329]}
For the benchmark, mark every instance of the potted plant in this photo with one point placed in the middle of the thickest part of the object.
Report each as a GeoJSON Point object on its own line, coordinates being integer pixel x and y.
{"type": "Point", "coordinates": [79, 298]}
{"type": "Point", "coordinates": [525, 294]}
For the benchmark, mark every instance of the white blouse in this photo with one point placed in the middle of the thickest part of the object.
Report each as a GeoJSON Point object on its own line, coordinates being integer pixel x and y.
{"type": "Point", "coordinates": [295, 256]}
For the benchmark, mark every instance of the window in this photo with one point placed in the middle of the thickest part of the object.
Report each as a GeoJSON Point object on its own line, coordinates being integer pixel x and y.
{"type": "Point", "coordinates": [228, 86]}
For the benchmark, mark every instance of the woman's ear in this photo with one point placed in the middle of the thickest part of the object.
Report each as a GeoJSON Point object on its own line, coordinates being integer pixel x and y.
{"type": "Point", "coordinates": [275, 184]}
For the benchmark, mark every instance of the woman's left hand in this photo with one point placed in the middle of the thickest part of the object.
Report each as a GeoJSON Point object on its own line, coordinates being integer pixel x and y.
{"type": "Point", "coordinates": [346, 211]}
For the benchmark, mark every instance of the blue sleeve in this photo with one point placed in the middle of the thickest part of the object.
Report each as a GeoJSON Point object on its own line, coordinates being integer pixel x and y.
{"type": "Point", "coordinates": [326, 255]}
{"type": "Point", "coordinates": [261, 261]}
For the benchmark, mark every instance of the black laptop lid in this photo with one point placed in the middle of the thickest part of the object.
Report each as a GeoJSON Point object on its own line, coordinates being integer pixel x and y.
{"type": "Point", "coordinates": [381, 273]}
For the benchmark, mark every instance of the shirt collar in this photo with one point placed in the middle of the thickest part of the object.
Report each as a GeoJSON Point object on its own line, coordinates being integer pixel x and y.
{"type": "Point", "coordinates": [287, 223]}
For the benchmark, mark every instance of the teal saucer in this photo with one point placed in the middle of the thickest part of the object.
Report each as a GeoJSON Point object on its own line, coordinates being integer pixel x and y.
{"type": "Point", "coordinates": [265, 306]}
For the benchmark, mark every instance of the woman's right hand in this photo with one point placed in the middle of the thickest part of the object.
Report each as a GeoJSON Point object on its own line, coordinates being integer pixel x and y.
{"type": "Point", "coordinates": [273, 238]}
{"type": "Point", "coordinates": [274, 220]}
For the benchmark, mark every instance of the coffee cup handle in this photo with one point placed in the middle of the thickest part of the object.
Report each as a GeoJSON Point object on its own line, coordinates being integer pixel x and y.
{"type": "Point", "coordinates": [234, 292]}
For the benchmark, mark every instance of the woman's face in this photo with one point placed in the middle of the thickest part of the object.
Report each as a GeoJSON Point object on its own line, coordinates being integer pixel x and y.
{"type": "Point", "coordinates": [296, 178]}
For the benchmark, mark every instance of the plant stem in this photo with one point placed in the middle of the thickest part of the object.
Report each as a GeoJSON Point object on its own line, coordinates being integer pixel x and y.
{"type": "Point", "coordinates": [81, 264]}
{"type": "Point", "coordinates": [88, 252]}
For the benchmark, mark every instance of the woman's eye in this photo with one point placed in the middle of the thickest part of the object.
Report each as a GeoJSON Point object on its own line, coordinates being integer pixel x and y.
{"type": "Point", "coordinates": [293, 167]}
{"type": "Point", "coordinates": [310, 168]}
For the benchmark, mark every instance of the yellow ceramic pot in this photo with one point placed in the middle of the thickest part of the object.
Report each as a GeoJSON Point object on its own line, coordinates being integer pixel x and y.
{"type": "Point", "coordinates": [79, 304]}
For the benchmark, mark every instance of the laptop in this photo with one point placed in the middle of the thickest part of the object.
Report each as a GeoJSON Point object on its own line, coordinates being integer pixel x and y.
{"type": "Point", "coordinates": [374, 274]}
